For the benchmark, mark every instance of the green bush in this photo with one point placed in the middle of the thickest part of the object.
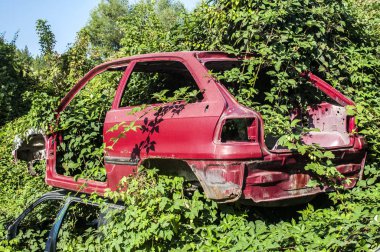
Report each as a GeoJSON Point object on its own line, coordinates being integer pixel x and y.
{"type": "Point", "coordinates": [337, 40]}
{"type": "Point", "coordinates": [159, 217]}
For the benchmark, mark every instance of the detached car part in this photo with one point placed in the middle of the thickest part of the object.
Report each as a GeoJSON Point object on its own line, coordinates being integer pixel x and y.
{"type": "Point", "coordinates": [30, 148]}
{"type": "Point", "coordinates": [68, 201]}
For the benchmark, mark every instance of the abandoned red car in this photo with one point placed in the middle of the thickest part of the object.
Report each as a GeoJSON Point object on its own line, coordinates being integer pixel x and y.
{"type": "Point", "coordinates": [214, 140]}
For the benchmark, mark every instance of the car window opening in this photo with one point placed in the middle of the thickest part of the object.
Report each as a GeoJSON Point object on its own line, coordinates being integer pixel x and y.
{"type": "Point", "coordinates": [148, 78]}
{"type": "Point", "coordinates": [37, 224]}
{"type": "Point", "coordinates": [81, 221]}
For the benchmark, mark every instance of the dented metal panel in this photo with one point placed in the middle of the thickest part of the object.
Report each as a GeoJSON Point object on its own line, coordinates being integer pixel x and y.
{"type": "Point", "coordinates": [221, 181]}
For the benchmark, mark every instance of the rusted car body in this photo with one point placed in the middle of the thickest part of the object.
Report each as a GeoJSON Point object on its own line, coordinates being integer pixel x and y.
{"type": "Point", "coordinates": [188, 139]}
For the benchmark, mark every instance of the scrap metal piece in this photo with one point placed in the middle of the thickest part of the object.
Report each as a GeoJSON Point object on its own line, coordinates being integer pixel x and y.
{"type": "Point", "coordinates": [30, 148]}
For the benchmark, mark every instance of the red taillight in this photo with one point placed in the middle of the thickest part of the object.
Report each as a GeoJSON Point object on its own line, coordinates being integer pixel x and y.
{"type": "Point", "coordinates": [351, 124]}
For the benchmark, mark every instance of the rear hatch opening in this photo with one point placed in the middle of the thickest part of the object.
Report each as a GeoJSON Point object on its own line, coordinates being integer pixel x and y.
{"type": "Point", "coordinates": [321, 109]}
{"type": "Point", "coordinates": [317, 106]}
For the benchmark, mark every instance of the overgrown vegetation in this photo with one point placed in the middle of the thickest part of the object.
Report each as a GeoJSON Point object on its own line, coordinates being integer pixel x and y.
{"type": "Point", "coordinates": [15, 80]}
{"type": "Point", "coordinates": [337, 40]}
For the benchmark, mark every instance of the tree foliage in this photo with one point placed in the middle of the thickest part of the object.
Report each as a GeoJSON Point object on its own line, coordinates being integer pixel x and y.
{"type": "Point", "coordinates": [15, 80]}
{"type": "Point", "coordinates": [117, 28]}
{"type": "Point", "coordinates": [46, 36]}
{"type": "Point", "coordinates": [104, 29]}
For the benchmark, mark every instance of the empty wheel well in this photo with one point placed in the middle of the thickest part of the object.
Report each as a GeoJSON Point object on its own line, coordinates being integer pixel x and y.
{"type": "Point", "coordinates": [171, 167]}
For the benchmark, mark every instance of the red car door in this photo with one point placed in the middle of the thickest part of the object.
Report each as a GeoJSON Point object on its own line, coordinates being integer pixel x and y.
{"type": "Point", "coordinates": [175, 130]}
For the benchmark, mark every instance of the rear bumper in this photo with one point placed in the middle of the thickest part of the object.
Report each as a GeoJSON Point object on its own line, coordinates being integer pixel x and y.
{"type": "Point", "coordinates": [270, 182]}
{"type": "Point", "coordinates": [287, 187]}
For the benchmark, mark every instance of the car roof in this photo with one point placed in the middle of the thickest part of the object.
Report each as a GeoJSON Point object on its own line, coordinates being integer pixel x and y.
{"type": "Point", "coordinates": [202, 56]}
{"type": "Point", "coordinates": [197, 54]}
